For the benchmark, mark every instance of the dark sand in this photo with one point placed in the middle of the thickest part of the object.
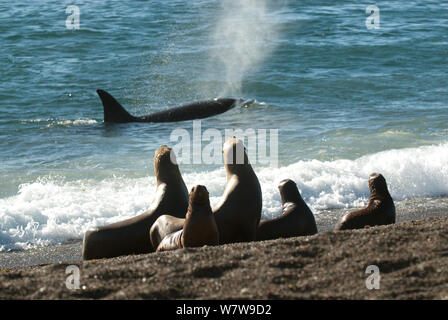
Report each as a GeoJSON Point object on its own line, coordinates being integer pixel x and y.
{"type": "Point", "coordinates": [412, 258]}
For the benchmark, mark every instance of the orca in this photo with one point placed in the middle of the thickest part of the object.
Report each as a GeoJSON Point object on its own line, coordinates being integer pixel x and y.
{"type": "Point", "coordinates": [115, 113]}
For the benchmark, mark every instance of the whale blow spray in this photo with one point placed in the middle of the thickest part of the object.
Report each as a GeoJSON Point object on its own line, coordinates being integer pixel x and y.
{"type": "Point", "coordinates": [243, 37]}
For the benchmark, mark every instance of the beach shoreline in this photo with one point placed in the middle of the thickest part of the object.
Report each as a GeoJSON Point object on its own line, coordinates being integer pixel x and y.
{"type": "Point", "coordinates": [70, 252]}
{"type": "Point", "coordinates": [411, 257]}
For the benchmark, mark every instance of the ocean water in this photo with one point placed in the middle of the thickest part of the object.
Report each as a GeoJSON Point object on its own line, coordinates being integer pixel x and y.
{"type": "Point", "coordinates": [346, 101]}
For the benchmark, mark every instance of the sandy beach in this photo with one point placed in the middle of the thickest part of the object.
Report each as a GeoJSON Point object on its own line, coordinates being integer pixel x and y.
{"type": "Point", "coordinates": [412, 258]}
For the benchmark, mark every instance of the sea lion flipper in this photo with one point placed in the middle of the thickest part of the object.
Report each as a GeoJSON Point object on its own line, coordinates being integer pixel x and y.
{"type": "Point", "coordinates": [172, 241]}
{"type": "Point", "coordinates": [163, 227]}
{"type": "Point", "coordinates": [113, 110]}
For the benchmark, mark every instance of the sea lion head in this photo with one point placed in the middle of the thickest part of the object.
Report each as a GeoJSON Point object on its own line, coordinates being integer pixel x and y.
{"type": "Point", "coordinates": [165, 164]}
{"type": "Point", "coordinates": [199, 195]}
{"type": "Point", "coordinates": [378, 185]}
{"type": "Point", "coordinates": [288, 191]}
{"type": "Point", "coordinates": [234, 153]}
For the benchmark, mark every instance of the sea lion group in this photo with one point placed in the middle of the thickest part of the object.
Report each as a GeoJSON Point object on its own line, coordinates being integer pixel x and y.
{"type": "Point", "coordinates": [178, 220]}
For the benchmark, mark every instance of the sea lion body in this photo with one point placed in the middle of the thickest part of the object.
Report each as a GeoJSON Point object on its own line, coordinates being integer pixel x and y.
{"type": "Point", "coordinates": [199, 228]}
{"type": "Point", "coordinates": [238, 213]}
{"type": "Point", "coordinates": [131, 236]}
{"type": "Point", "coordinates": [379, 211]}
{"type": "Point", "coordinates": [296, 220]}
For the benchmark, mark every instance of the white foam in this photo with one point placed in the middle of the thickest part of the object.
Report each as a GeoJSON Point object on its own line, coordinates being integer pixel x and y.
{"type": "Point", "coordinates": [52, 210]}
{"type": "Point", "coordinates": [58, 122]}
{"type": "Point", "coordinates": [413, 172]}
{"type": "Point", "coordinates": [78, 122]}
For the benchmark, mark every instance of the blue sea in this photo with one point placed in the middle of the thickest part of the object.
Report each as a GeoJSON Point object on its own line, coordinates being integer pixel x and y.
{"type": "Point", "coordinates": [347, 99]}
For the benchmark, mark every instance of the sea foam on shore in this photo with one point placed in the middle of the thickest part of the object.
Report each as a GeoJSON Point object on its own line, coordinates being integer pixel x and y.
{"type": "Point", "coordinates": [53, 210]}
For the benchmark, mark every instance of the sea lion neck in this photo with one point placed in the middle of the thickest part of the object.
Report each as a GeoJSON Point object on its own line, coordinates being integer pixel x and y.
{"type": "Point", "coordinates": [288, 191]}
{"type": "Point", "coordinates": [199, 209]}
{"type": "Point", "coordinates": [168, 174]}
{"type": "Point", "coordinates": [238, 169]}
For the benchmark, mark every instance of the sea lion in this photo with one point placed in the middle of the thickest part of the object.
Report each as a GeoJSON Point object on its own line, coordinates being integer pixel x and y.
{"type": "Point", "coordinates": [114, 111]}
{"type": "Point", "coordinates": [379, 211]}
{"type": "Point", "coordinates": [131, 236]}
{"type": "Point", "coordinates": [238, 213]}
{"type": "Point", "coordinates": [199, 228]}
{"type": "Point", "coordinates": [296, 219]}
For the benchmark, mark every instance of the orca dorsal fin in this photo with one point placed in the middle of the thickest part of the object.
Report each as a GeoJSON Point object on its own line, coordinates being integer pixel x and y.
{"type": "Point", "coordinates": [113, 110]}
